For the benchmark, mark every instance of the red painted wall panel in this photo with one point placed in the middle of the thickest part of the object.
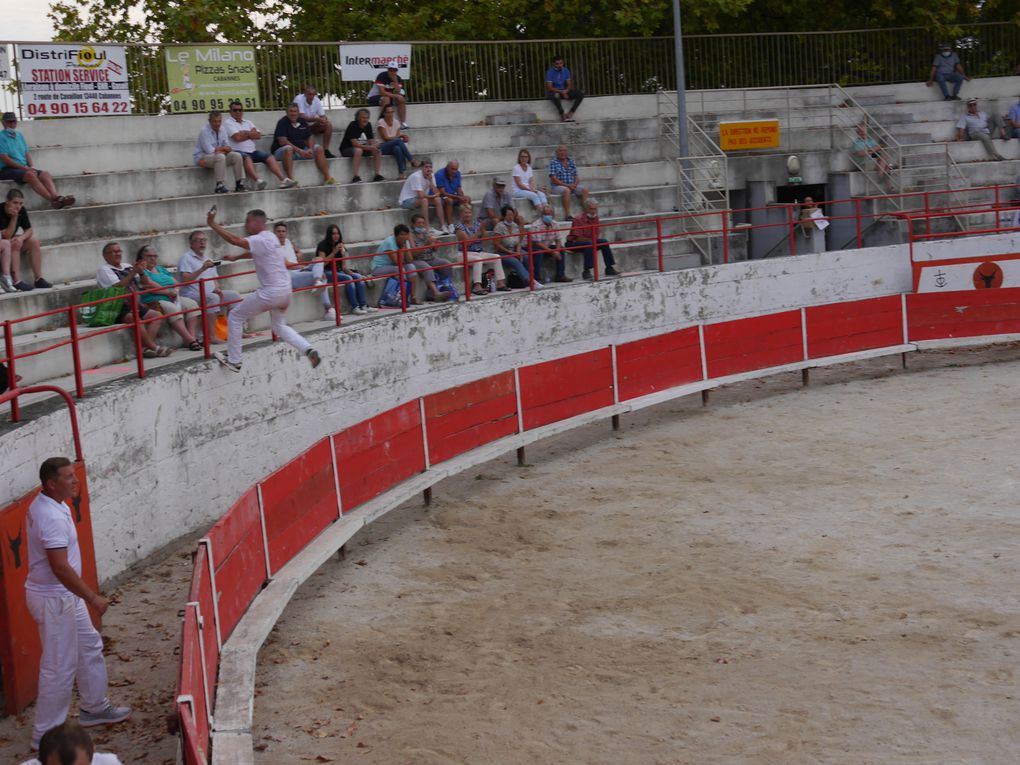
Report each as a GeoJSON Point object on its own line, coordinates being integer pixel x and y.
{"type": "Point", "coordinates": [563, 388]}
{"type": "Point", "coordinates": [298, 502]}
{"type": "Point", "coordinates": [240, 559]}
{"type": "Point", "coordinates": [377, 454]}
{"type": "Point", "coordinates": [857, 325]}
{"type": "Point", "coordinates": [658, 363]}
{"type": "Point", "coordinates": [195, 751]}
{"type": "Point", "coordinates": [201, 593]}
{"type": "Point", "coordinates": [743, 345]}
{"type": "Point", "coordinates": [936, 315]}
{"type": "Point", "coordinates": [189, 682]}
{"type": "Point", "coordinates": [468, 416]}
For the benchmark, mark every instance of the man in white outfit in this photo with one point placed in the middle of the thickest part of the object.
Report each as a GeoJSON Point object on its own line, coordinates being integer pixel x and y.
{"type": "Point", "coordinates": [70, 744]}
{"type": "Point", "coordinates": [72, 649]}
{"type": "Point", "coordinates": [274, 290]}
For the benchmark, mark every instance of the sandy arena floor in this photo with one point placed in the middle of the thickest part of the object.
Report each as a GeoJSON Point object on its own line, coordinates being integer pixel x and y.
{"type": "Point", "coordinates": [817, 577]}
{"type": "Point", "coordinates": [787, 576]}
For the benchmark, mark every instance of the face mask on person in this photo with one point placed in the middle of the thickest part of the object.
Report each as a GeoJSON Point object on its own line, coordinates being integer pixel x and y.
{"type": "Point", "coordinates": [547, 219]}
{"type": "Point", "coordinates": [419, 229]}
{"type": "Point", "coordinates": [947, 53]}
{"type": "Point", "coordinates": [592, 214]}
{"type": "Point", "coordinates": [11, 132]}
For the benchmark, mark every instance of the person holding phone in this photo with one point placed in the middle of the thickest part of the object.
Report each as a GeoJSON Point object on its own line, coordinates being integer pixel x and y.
{"type": "Point", "coordinates": [273, 294]}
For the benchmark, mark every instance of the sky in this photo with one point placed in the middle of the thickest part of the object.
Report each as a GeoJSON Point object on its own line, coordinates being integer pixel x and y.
{"type": "Point", "coordinates": [26, 20]}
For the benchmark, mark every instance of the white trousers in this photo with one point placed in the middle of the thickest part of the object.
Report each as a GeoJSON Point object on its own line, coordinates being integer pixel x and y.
{"type": "Point", "coordinates": [475, 259]}
{"type": "Point", "coordinates": [71, 650]}
{"type": "Point", "coordinates": [254, 304]}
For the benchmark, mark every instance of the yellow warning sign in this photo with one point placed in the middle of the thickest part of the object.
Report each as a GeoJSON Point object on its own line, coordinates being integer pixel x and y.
{"type": "Point", "coordinates": [743, 136]}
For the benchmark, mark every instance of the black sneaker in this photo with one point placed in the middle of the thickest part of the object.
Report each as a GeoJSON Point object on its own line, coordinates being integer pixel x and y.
{"type": "Point", "coordinates": [239, 186]}
{"type": "Point", "coordinates": [586, 274]}
{"type": "Point", "coordinates": [356, 179]}
{"type": "Point", "coordinates": [330, 155]}
{"type": "Point", "coordinates": [22, 287]}
{"type": "Point", "coordinates": [42, 284]}
{"type": "Point", "coordinates": [221, 357]}
{"type": "Point", "coordinates": [221, 189]}
{"type": "Point", "coordinates": [610, 271]}
{"type": "Point", "coordinates": [378, 178]}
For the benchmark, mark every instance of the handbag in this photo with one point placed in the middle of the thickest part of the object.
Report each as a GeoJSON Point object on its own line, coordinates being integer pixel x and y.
{"type": "Point", "coordinates": [445, 284]}
{"type": "Point", "coordinates": [391, 293]}
{"type": "Point", "coordinates": [103, 314]}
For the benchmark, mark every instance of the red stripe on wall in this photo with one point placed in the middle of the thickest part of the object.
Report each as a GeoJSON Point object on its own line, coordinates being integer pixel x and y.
{"type": "Point", "coordinates": [560, 389]}
{"type": "Point", "coordinates": [744, 345]}
{"type": "Point", "coordinates": [857, 325]}
{"type": "Point", "coordinates": [658, 363]}
{"type": "Point", "coordinates": [463, 418]}
{"type": "Point", "coordinates": [935, 315]}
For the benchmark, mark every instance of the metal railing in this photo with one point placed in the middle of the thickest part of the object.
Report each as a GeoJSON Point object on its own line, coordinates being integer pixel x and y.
{"type": "Point", "coordinates": [510, 70]}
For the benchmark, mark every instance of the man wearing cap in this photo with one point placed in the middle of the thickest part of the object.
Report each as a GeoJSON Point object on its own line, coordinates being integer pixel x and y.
{"type": "Point", "coordinates": [975, 125]}
{"type": "Point", "coordinates": [946, 67]}
{"type": "Point", "coordinates": [419, 192]}
{"type": "Point", "coordinates": [1013, 121]}
{"type": "Point", "coordinates": [16, 164]}
{"type": "Point", "coordinates": [311, 108]}
{"type": "Point", "coordinates": [494, 201]}
{"type": "Point", "coordinates": [388, 88]}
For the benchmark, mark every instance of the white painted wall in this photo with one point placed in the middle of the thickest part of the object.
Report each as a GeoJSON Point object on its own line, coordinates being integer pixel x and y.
{"type": "Point", "coordinates": [166, 456]}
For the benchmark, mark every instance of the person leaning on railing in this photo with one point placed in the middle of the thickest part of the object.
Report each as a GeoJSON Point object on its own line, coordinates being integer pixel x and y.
{"type": "Point", "coordinates": [17, 237]}
{"type": "Point", "coordinates": [512, 244]}
{"type": "Point", "coordinates": [116, 273]}
{"type": "Point", "coordinates": [194, 265]}
{"type": "Point", "coordinates": [165, 298]}
{"type": "Point", "coordinates": [584, 237]}
{"type": "Point", "coordinates": [471, 231]}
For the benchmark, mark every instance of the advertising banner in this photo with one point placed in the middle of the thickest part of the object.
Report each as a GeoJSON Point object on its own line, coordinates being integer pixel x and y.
{"type": "Point", "coordinates": [971, 274]}
{"type": "Point", "coordinates": [363, 62]}
{"type": "Point", "coordinates": [207, 77]}
{"type": "Point", "coordinates": [73, 80]}
{"type": "Point", "coordinates": [5, 63]}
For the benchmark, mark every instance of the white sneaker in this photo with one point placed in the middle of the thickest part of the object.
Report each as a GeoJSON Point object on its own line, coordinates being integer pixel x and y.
{"type": "Point", "coordinates": [360, 310]}
{"type": "Point", "coordinates": [404, 125]}
{"type": "Point", "coordinates": [109, 716]}
{"type": "Point", "coordinates": [330, 314]}
{"type": "Point", "coordinates": [320, 282]}
{"type": "Point", "coordinates": [537, 285]}
{"type": "Point", "coordinates": [371, 309]}
{"type": "Point", "coordinates": [449, 229]}
{"type": "Point", "coordinates": [260, 184]}
{"type": "Point", "coordinates": [221, 357]}
{"type": "Point", "coordinates": [437, 232]}
{"type": "Point", "coordinates": [7, 283]}
{"type": "Point", "coordinates": [288, 183]}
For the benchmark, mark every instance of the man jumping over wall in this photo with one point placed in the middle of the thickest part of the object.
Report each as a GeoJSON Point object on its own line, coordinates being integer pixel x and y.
{"type": "Point", "coordinates": [273, 294]}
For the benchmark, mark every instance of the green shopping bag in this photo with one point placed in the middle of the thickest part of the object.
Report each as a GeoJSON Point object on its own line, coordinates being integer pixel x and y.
{"type": "Point", "coordinates": [104, 314]}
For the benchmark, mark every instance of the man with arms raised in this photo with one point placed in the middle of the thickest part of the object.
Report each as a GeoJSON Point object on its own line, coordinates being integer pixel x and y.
{"type": "Point", "coordinates": [72, 649]}
{"type": "Point", "coordinates": [273, 294]}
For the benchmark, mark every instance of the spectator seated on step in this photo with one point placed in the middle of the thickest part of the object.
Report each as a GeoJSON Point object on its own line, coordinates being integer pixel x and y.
{"type": "Point", "coordinates": [310, 106]}
{"type": "Point", "coordinates": [16, 237]}
{"type": "Point", "coordinates": [293, 141]}
{"type": "Point", "coordinates": [116, 273]}
{"type": "Point", "coordinates": [426, 257]}
{"type": "Point", "coordinates": [547, 242]}
{"type": "Point", "coordinates": [332, 248]}
{"type": "Point", "coordinates": [1013, 121]}
{"type": "Point", "coordinates": [523, 179]}
{"type": "Point", "coordinates": [241, 137]}
{"type": "Point", "coordinates": [512, 245]}
{"type": "Point", "coordinates": [303, 274]}
{"type": "Point", "coordinates": [946, 67]}
{"type": "Point", "coordinates": [451, 191]}
{"type": "Point", "coordinates": [394, 141]}
{"type": "Point", "coordinates": [212, 150]}
{"type": "Point", "coordinates": [70, 744]}
{"type": "Point", "coordinates": [194, 266]}
{"type": "Point", "coordinates": [976, 125]}
{"type": "Point", "coordinates": [564, 180]}
{"type": "Point", "coordinates": [388, 88]}
{"type": "Point", "coordinates": [16, 164]}
{"type": "Point", "coordinates": [865, 147]}
{"type": "Point", "coordinates": [358, 140]}
{"type": "Point", "coordinates": [494, 201]}
{"type": "Point", "coordinates": [166, 299]}
{"type": "Point", "coordinates": [419, 193]}
{"type": "Point", "coordinates": [471, 231]}
{"type": "Point", "coordinates": [559, 87]}
{"type": "Point", "coordinates": [584, 238]}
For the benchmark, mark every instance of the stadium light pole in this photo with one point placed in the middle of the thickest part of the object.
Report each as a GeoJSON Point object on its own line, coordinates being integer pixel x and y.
{"type": "Point", "coordinates": [681, 84]}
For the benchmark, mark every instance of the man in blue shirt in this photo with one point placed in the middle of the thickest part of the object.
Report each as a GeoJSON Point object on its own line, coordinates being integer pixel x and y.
{"type": "Point", "coordinates": [448, 181]}
{"type": "Point", "coordinates": [16, 164]}
{"type": "Point", "coordinates": [946, 67]}
{"type": "Point", "coordinates": [1013, 121]}
{"type": "Point", "coordinates": [559, 86]}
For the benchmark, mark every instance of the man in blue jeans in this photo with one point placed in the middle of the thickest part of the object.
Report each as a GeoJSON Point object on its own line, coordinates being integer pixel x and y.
{"type": "Point", "coordinates": [559, 86]}
{"type": "Point", "coordinates": [584, 238]}
{"type": "Point", "coordinates": [946, 67]}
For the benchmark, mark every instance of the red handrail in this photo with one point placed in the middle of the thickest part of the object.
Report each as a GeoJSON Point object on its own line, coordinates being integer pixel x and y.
{"type": "Point", "coordinates": [13, 394]}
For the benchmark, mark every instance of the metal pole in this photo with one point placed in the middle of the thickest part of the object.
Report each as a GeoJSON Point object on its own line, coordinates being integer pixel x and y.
{"type": "Point", "coordinates": [681, 104]}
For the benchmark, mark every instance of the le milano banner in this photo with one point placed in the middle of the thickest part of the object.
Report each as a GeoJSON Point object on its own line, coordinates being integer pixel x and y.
{"type": "Point", "coordinates": [207, 77]}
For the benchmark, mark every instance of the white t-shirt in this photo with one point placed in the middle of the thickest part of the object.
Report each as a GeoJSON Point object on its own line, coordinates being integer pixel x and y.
{"type": "Point", "coordinates": [189, 263]}
{"type": "Point", "coordinates": [287, 251]}
{"type": "Point", "coordinates": [50, 527]}
{"type": "Point", "coordinates": [99, 758]}
{"type": "Point", "coordinates": [270, 266]}
{"type": "Point", "coordinates": [233, 126]}
{"type": "Point", "coordinates": [415, 182]}
{"type": "Point", "coordinates": [524, 175]}
{"type": "Point", "coordinates": [107, 276]}
{"type": "Point", "coordinates": [974, 123]}
{"type": "Point", "coordinates": [313, 109]}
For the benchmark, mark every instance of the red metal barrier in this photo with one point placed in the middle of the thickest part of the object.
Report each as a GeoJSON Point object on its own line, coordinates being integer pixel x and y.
{"type": "Point", "coordinates": [658, 363]}
{"type": "Point", "coordinates": [298, 502]}
{"type": "Point", "coordinates": [462, 418]}
{"type": "Point", "coordinates": [744, 345]}
{"type": "Point", "coordinates": [559, 389]}
{"type": "Point", "coordinates": [239, 558]}
{"type": "Point", "coordinates": [202, 593]}
{"type": "Point", "coordinates": [190, 681]}
{"type": "Point", "coordinates": [379, 453]}
{"type": "Point", "coordinates": [858, 325]}
{"type": "Point", "coordinates": [936, 315]}
{"type": "Point", "coordinates": [194, 748]}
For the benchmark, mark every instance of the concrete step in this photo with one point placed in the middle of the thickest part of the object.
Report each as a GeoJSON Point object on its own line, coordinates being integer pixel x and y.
{"type": "Point", "coordinates": [131, 186]}
{"type": "Point", "coordinates": [146, 154]}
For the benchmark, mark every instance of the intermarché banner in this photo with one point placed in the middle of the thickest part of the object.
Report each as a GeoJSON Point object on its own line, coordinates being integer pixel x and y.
{"type": "Point", "coordinates": [206, 77]}
{"type": "Point", "coordinates": [74, 80]}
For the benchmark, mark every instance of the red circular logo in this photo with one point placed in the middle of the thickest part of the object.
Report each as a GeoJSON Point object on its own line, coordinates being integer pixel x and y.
{"type": "Point", "coordinates": [988, 276]}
